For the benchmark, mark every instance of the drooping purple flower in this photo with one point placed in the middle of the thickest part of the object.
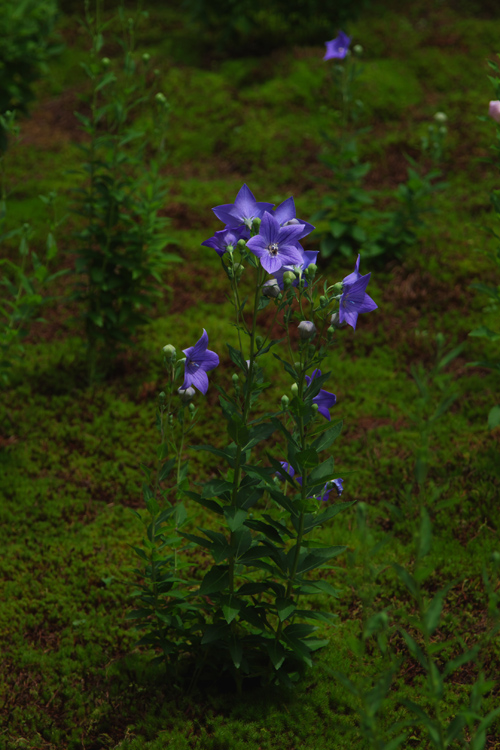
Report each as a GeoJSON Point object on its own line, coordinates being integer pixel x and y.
{"type": "Point", "coordinates": [199, 360]}
{"type": "Point", "coordinates": [354, 299]}
{"type": "Point", "coordinates": [324, 495]}
{"type": "Point", "coordinates": [325, 400]}
{"type": "Point", "coordinates": [276, 246]}
{"type": "Point", "coordinates": [244, 209]}
{"type": "Point", "coordinates": [225, 237]}
{"type": "Point", "coordinates": [337, 48]}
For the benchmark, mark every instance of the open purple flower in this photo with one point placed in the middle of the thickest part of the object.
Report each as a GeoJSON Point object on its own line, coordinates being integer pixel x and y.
{"type": "Point", "coordinates": [285, 214]}
{"type": "Point", "coordinates": [337, 48]}
{"type": "Point", "coordinates": [225, 237]}
{"type": "Point", "coordinates": [354, 299]}
{"type": "Point", "coordinates": [244, 209]}
{"type": "Point", "coordinates": [324, 399]}
{"type": "Point", "coordinates": [276, 246]}
{"type": "Point", "coordinates": [199, 360]}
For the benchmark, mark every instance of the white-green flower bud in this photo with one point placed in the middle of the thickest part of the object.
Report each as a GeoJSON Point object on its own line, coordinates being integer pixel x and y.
{"type": "Point", "coordinates": [105, 62]}
{"type": "Point", "coordinates": [285, 402]}
{"type": "Point", "coordinates": [160, 98]}
{"type": "Point", "coordinates": [288, 278]}
{"type": "Point", "coordinates": [192, 409]}
{"type": "Point", "coordinates": [241, 244]}
{"type": "Point", "coordinates": [295, 389]}
{"type": "Point", "coordinates": [323, 301]}
{"type": "Point", "coordinates": [315, 407]}
{"type": "Point", "coordinates": [357, 49]}
{"type": "Point", "coordinates": [235, 378]}
{"type": "Point", "coordinates": [186, 395]}
{"type": "Point", "coordinates": [335, 321]}
{"type": "Point", "coordinates": [310, 271]}
{"type": "Point", "coordinates": [256, 224]}
{"type": "Point", "coordinates": [440, 117]}
{"type": "Point", "coordinates": [146, 57]}
{"type": "Point", "coordinates": [169, 352]}
{"type": "Point", "coordinates": [271, 288]}
{"type": "Point", "coordinates": [337, 288]}
{"type": "Point", "coordinates": [297, 365]}
{"type": "Point", "coordinates": [307, 330]}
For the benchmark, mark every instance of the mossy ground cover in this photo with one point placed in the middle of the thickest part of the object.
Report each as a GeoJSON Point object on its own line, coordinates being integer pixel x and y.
{"type": "Point", "coordinates": [70, 453]}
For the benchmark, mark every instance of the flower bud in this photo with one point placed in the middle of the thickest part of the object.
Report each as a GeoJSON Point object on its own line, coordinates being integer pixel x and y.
{"type": "Point", "coordinates": [330, 331]}
{"type": "Point", "coordinates": [357, 49]}
{"type": "Point", "coordinates": [337, 288]}
{"type": "Point", "coordinates": [192, 409]}
{"type": "Point", "coordinates": [146, 57]}
{"type": "Point", "coordinates": [307, 330]}
{"type": "Point", "coordinates": [105, 62]}
{"type": "Point", "coordinates": [297, 365]}
{"type": "Point", "coordinates": [323, 301]}
{"type": "Point", "coordinates": [335, 321]}
{"type": "Point", "coordinates": [238, 269]}
{"type": "Point", "coordinates": [169, 352]}
{"type": "Point", "coordinates": [295, 389]}
{"type": "Point", "coordinates": [162, 397]}
{"type": "Point", "coordinates": [186, 395]}
{"type": "Point", "coordinates": [440, 117]}
{"type": "Point", "coordinates": [235, 378]}
{"type": "Point", "coordinates": [271, 288]}
{"type": "Point", "coordinates": [160, 98]}
{"type": "Point", "coordinates": [315, 407]}
{"type": "Point", "coordinates": [310, 271]}
{"type": "Point", "coordinates": [494, 110]}
{"type": "Point", "coordinates": [443, 129]}
{"type": "Point", "coordinates": [241, 244]}
{"type": "Point", "coordinates": [495, 557]}
{"type": "Point", "coordinates": [288, 278]}
{"type": "Point", "coordinates": [256, 224]}
{"type": "Point", "coordinates": [285, 401]}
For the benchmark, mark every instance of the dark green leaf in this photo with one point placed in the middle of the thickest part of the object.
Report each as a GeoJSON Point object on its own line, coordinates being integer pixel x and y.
{"type": "Point", "coordinates": [215, 580]}
{"type": "Point", "coordinates": [327, 438]}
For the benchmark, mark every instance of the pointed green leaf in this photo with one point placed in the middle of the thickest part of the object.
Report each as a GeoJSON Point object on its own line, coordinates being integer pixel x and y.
{"type": "Point", "coordinates": [215, 580]}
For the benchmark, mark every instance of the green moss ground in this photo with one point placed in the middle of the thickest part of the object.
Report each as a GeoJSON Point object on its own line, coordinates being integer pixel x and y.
{"type": "Point", "coordinates": [70, 454]}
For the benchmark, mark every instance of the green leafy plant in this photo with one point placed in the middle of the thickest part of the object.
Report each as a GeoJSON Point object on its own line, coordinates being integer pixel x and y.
{"type": "Point", "coordinates": [24, 283]}
{"type": "Point", "coordinates": [25, 29]}
{"type": "Point", "coordinates": [349, 219]}
{"type": "Point", "coordinates": [121, 247]}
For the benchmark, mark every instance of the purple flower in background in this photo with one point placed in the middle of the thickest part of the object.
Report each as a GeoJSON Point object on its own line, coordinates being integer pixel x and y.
{"type": "Point", "coordinates": [225, 237]}
{"type": "Point", "coordinates": [199, 360]}
{"type": "Point", "coordinates": [494, 110]}
{"type": "Point", "coordinates": [324, 399]}
{"type": "Point", "coordinates": [308, 257]}
{"type": "Point", "coordinates": [337, 48]}
{"type": "Point", "coordinates": [244, 209]}
{"type": "Point", "coordinates": [354, 299]}
{"type": "Point", "coordinates": [276, 246]}
{"type": "Point", "coordinates": [288, 468]}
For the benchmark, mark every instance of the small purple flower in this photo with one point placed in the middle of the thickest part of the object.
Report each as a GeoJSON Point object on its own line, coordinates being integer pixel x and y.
{"type": "Point", "coordinates": [354, 299]}
{"type": "Point", "coordinates": [337, 48]}
{"type": "Point", "coordinates": [276, 246]}
{"type": "Point", "coordinates": [325, 494]}
{"type": "Point", "coordinates": [244, 209]}
{"type": "Point", "coordinates": [225, 237]}
{"type": "Point", "coordinates": [199, 360]}
{"type": "Point", "coordinates": [325, 400]}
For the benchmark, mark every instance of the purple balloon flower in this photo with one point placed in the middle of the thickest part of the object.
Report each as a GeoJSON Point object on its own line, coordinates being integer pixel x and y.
{"type": "Point", "coordinates": [244, 209]}
{"type": "Point", "coordinates": [199, 360]}
{"type": "Point", "coordinates": [285, 214]}
{"type": "Point", "coordinates": [337, 48]}
{"type": "Point", "coordinates": [225, 237]}
{"type": "Point", "coordinates": [325, 495]}
{"type": "Point", "coordinates": [276, 246]}
{"type": "Point", "coordinates": [354, 299]}
{"type": "Point", "coordinates": [324, 399]}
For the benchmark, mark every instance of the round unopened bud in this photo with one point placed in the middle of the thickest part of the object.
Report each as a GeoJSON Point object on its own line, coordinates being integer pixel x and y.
{"type": "Point", "coordinates": [105, 62]}
{"type": "Point", "coordinates": [307, 330]}
{"type": "Point", "coordinates": [295, 389]}
{"type": "Point", "coordinates": [186, 394]}
{"type": "Point", "coordinates": [256, 223]}
{"type": "Point", "coordinates": [288, 278]}
{"type": "Point", "coordinates": [160, 98]}
{"type": "Point", "coordinates": [162, 397]}
{"type": "Point", "coordinates": [192, 408]}
{"type": "Point", "coordinates": [238, 269]}
{"type": "Point", "coordinates": [169, 351]}
{"type": "Point", "coordinates": [241, 244]}
{"type": "Point", "coordinates": [310, 271]}
{"type": "Point", "coordinates": [335, 321]}
{"type": "Point", "coordinates": [440, 117]}
{"type": "Point", "coordinates": [330, 331]}
{"type": "Point", "coordinates": [297, 365]}
{"type": "Point", "coordinates": [443, 129]}
{"type": "Point", "coordinates": [315, 407]}
{"type": "Point", "coordinates": [271, 288]}
{"type": "Point", "coordinates": [285, 401]}
{"type": "Point", "coordinates": [235, 378]}
{"type": "Point", "coordinates": [357, 49]}
{"type": "Point", "coordinates": [337, 288]}
{"type": "Point", "coordinates": [323, 301]}
{"type": "Point", "coordinates": [495, 557]}
{"type": "Point", "coordinates": [146, 57]}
